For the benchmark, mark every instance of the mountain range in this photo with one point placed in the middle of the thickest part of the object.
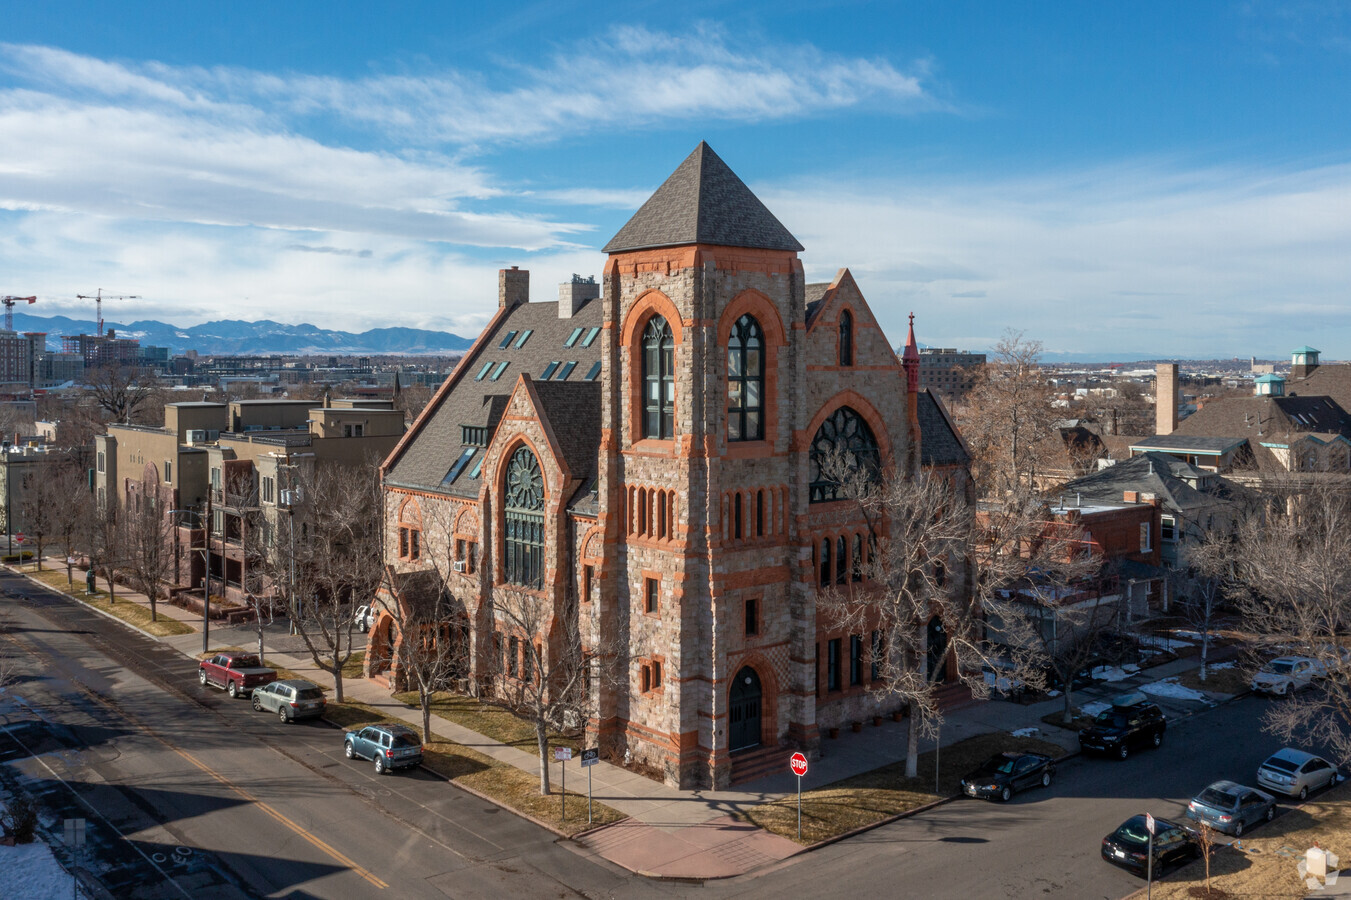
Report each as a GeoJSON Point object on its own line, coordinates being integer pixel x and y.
{"type": "Point", "coordinates": [265, 338]}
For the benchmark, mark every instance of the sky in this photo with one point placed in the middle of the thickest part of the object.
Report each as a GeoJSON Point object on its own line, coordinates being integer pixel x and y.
{"type": "Point", "coordinates": [1153, 179]}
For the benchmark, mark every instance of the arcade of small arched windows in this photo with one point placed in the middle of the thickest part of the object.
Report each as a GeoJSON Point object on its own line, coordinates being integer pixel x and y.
{"type": "Point", "coordinates": [842, 559]}
{"type": "Point", "coordinates": [749, 515]}
{"type": "Point", "coordinates": [651, 513]}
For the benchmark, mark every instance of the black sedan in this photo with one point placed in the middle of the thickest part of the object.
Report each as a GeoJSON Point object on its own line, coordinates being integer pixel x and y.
{"type": "Point", "coordinates": [1004, 773]}
{"type": "Point", "coordinates": [1128, 846]}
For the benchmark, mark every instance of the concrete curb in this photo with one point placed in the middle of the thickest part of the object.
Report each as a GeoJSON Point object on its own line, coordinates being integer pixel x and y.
{"type": "Point", "coordinates": [107, 615]}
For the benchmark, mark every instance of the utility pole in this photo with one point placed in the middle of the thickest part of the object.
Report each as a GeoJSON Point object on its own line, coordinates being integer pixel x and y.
{"type": "Point", "coordinates": [206, 576]}
{"type": "Point", "coordinates": [9, 308]}
{"type": "Point", "coordinates": [98, 302]}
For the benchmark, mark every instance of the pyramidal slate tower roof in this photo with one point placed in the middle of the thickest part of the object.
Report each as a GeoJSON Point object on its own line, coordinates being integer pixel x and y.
{"type": "Point", "coordinates": [703, 202]}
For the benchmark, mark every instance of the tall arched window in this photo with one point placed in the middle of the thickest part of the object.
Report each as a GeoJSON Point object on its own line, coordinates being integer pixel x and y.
{"type": "Point", "coordinates": [846, 339]}
{"type": "Point", "coordinates": [745, 381]}
{"type": "Point", "coordinates": [844, 438]}
{"type": "Point", "coordinates": [658, 379]}
{"type": "Point", "coordinates": [523, 550]}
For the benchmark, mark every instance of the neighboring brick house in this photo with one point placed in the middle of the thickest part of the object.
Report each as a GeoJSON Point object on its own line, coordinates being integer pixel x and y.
{"type": "Point", "coordinates": [644, 454]}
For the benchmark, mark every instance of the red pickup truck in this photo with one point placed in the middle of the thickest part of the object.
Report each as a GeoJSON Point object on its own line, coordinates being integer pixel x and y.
{"type": "Point", "coordinates": [237, 673]}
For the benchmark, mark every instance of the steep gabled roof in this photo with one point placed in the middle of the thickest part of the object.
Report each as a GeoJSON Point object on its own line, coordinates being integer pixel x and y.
{"type": "Point", "coordinates": [703, 202]}
{"type": "Point", "coordinates": [940, 442]}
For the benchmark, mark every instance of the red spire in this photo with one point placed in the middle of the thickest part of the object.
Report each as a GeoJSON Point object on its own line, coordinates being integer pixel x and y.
{"type": "Point", "coordinates": [910, 359]}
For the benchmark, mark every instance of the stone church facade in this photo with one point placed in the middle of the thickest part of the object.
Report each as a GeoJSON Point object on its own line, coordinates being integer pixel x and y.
{"type": "Point", "coordinates": [643, 454]}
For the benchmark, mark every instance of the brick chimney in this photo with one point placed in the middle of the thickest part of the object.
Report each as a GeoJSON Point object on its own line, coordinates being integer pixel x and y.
{"type": "Point", "coordinates": [574, 294]}
{"type": "Point", "coordinates": [1165, 398]}
{"type": "Point", "coordinates": [513, 286]}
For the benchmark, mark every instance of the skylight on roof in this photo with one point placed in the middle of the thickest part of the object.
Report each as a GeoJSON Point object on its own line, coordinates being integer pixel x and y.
{"type": "Point", "coordinates": [478, 466]}
{"type": "Point", "coordinates": [506, 340]}
{"type": "Point", "coordinates": [549, 370]}
{"type": "Point", "coordinates": [564, 372]}
{"type": "Point", "coordinates": [525, 336]}
{"type": "Point", "coordinates": [593, 371]}
{"type": "Point", "coordinates": [572, 338]}
{"type": "Point", "coordinates": [455, 470]}
{"type": "Point", "coordinates": [501, 367]}
{"type": "Point", "coordinates": [483, 371]}
{"type": "Point", "coordinates": [590, 336]}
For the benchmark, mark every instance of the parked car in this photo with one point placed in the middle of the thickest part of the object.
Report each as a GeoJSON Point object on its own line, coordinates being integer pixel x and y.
{"type": "Point", "coordinates": [1229, 807]}
{"type": "Point", "coordinates": [1286, 674]}
{"type": "Point", "coordinates": [364, 618]}
{"type": "Point", "coordinates": [237, 673]}
{"type": "Point", "coordinates": [1295, 773]}
{"type": "Point", "coordinates": [1130, 723]}
{"type": "Point", "coordinates": [290, 700]}
{"type": "Point", "coordinates": [1004, 773]}
{"type": "Point", "coordinates": [1128, 846]}
{"type": "Point", "coordinates": [389, 746]}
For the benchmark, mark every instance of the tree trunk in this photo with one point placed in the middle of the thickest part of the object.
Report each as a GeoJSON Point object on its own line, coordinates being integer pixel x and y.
{"type": "Point", "coordinates": [1069, 704]}
{"type": "Point", "coordinates": [425, 699]}
{"type": "Point", "coordinates": [1205, 642]}
{"type": "Point", "coordinates": [337, 678]}
{"type": "Point", "coordinates": [542, 738]}
{"type": "Point", "coordinates": [912, 743]}
{"type": "Point", "coordinates": [154, 592]}
{"type": "Point", "coordinates": [39, 553]}
{"type": "Point", "coordinates": [112, 590]}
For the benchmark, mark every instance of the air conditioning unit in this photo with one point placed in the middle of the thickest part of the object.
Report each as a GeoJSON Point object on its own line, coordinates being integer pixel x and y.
{"type": "Point", "coordinates": [459, 565]}
{"type": "Point", "coordinates": [291, 497]}
{"type": "Point", "coordinates": [197, 436]}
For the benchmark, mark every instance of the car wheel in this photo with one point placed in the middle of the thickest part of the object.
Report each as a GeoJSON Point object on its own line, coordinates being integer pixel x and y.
{"type": "Point", "coordinates": [1238, 828]}
{"type": "Point", "coordinates": [1045, 779]}
{"type": "Point", "coordinates": [379, 765]}
{"type": "Point", "coordinates": [1123, 751]}
{"type": "Point", "coordinates": [1157, 739]}
{"type": "Point", "coordinates": [281, 714]}
{"type": "Point", "coordinates": [347, 749]}
{"type": "Point", "coordinates": [1332, 779]}
{"type": "Point", "coordinates": [201, 676]}
{"type": "Point", "coordinates": [257, 707]}
{"type": "Point", "coordinates": [1304, 792]}
{"type": "Point", "coordinates": [233, 690]}
{"type": "Point", "coordinates": [1271, 813]}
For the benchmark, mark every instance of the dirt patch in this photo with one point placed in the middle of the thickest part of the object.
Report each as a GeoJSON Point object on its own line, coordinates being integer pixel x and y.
{"type": "Point", "coordinates": [1232, 680]}
{"type": "Point", "coordinates": [872, 796]}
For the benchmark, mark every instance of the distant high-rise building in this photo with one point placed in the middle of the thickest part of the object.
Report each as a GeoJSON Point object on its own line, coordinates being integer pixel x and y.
{"type": "Point", "coordinates": [949, 372]}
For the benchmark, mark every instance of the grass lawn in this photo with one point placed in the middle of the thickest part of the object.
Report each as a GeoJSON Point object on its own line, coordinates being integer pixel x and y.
{"type": "Point", "coordinates": [505, 784]}
{"type": "Point", "coordinates": [131, 613]}
{"type": "Point", "coordinates": [352, 668]}
{"type": "Point", "coordinates": [489, 720]}
{"type": "Point", "coordinates": [1266, 866]}
{"type": "Point", "coordinates": [872, 796]}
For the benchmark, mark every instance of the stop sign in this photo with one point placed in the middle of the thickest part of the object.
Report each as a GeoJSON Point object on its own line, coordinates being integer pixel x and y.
{"type": "Point", "coordinates": [799, 764]}
{"type": "Point", "coordinates": [18, 538]}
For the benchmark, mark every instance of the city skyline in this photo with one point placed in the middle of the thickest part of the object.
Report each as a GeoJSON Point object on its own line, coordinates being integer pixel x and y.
{"type": "Point", "coordinates": [1165, 182]}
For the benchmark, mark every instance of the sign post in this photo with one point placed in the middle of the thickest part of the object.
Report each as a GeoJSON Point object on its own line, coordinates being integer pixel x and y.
{"type": "Point", "coordinates": [563, 754]}
{"type": "Point", "coordinates": [589, 758]}
{"type": "Point", "coordinates": [798, 762]}
{"type": "Point", "coordinates": [1149, 862]}
{"type": "Point", "coordinates": [75, 841]}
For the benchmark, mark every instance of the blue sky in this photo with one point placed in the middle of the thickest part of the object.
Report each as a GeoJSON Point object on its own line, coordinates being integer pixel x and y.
{"type": "Point", "coordinates": [1113, 179]}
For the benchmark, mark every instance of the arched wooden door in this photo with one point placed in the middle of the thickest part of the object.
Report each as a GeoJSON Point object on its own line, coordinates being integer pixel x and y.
{"type": "Point", "coordinates": [743, 730]}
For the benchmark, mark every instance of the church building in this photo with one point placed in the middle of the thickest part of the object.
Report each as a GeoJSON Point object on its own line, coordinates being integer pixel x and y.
{"type": "Point", "coordinates": [644, 455]}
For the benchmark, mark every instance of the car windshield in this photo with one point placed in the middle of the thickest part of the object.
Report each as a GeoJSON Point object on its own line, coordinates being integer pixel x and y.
{"type": "Point", "coordinates": [1278, 668]}
{"type": "Point", "coordinates": [1000, 764]}
{"type": "Point", "coordinates": [1133, 832]}
{"type": "Point", "coordinates": [242, 662]}
{"type": "Point", "coordinates": [406, 739]}
{"type": "Point", "coordinates": [1217, 799]}
{"type": "Point", "coordinates": [1281, 764]}
{"type": "Point", "coordinates": [310, 693]}
{"type": "Point", "coordinates": [1110, 718]}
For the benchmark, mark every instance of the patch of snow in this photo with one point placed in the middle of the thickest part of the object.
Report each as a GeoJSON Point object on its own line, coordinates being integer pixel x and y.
{"type": "Point", "coordinates": [1053, 693]}
{"type": "Point", "coordinates": [1111, 673]}
{"type": "Point", "coordinates": [1025, 732]}
{"type": "Point", "coordinates": [1228, 664]}
{"type": "Point", "coordinates": [1169, 687]}
{"type": "Point", "coordinates": [31, 872]}
{"type": "Point", "coordinates": [1092, 710]}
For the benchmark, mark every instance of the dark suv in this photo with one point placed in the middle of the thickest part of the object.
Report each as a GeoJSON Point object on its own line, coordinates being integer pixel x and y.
{"type": "Point", "coordinates": [390, 746]}
{"type": "Point", "coordinates": [1132, 722]}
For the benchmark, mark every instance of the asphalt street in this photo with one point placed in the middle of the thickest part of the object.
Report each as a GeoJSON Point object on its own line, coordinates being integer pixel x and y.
{"type": "Point", "coordinates": [188, 793]}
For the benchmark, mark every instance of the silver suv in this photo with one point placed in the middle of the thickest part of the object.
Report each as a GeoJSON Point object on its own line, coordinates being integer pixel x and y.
{"type": "Point", "coordinates": [290, 700]}
{"type": "Point", "coordinates": [1287, 674]}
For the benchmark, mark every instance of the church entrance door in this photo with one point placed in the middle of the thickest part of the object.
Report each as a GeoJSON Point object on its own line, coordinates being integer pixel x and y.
{"type": "Point", "coordinates": [744, 711]}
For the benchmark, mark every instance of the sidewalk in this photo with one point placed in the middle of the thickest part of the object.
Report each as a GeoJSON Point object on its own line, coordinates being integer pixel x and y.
{"type": "Point", "coordinates": [673, 833]}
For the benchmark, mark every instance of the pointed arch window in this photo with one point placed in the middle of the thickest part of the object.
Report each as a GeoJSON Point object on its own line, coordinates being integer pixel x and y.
{"type": "Point", "coordinates": [846, 437]}
{"type": "Point", "coordinates": [523, 503]}
{"type": "Point", "coordinates": [846, 338]}
{"type": "Point", "coordinates": [658, 379]}
{"type": "Point", "coordinates": [745, 381]}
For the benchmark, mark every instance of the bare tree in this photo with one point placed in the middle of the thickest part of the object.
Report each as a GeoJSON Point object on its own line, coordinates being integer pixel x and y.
{"type": "Point", "coordinates": [1210, 573]}
{"type": "Point", "coordinates": [1010, 424]}
{"type": "Point", "coordinates": [148, 538]}
{"type": "Point", "coordinates": [103, 539]}
{"type": "Point", "coordinates": [72, 509]}
{"type": "Point", "coordinates": [545, 673]}
{"type": "Point", "coordinates": [1294, 596]}
{"type": "Point", "coordinates": [39, 498]}
{"type": "Point", "coordinates": [337, 559]}
{"type": "Point", "coordinates": [120, 391]}
{"type": "Point", "coordinates": [431, 648]}
{"type": "Point", "coordinates": [1206, 840]}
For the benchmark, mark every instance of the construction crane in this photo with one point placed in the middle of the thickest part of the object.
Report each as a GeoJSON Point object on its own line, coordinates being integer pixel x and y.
{"type": "Point", "coordinates": [9, 309]}
{"type": "Point", "coordinates": [98, 300]}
